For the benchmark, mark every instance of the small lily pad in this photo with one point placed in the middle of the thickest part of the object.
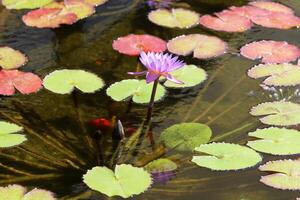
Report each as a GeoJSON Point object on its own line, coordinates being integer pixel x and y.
{"type": "Point", "coordinates": [226, 156]}
{"type": "Point", "coordinates": [25, 4]}
{"type": "Point", "coordinates": [190, 75]}
{"type": "Point", "coordinates": [139, 90]}
{"type": "Point", "coordinates": [161, 165]}
{"type": "Point", "coordinates": [175, 18]}
{"type": "Point", "coordinates": [9, 134]}
{"type": "Point", "coordinates": [278, 113]}
{"type": "Point", "coordinates": [66, 80]}
{"type": "Point", "coordinates": [11, 59]}
{"type": "Point", "coordinates": [125, 181]}
{"type": "Point", "coordinates": [276, 141]}
{"type": "Point", "coordinates": [186, 136]}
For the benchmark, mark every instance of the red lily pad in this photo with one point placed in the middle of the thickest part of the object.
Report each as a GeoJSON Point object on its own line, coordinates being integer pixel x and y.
{"type": "Point", "coordinates": [226, 21]}
{"type": "Point", "coordinates": [271, 51]}
{"type": "Point", "coordinates": [272, 6]}
{"type": "Point", "coordinates": [133, 45]}
{"type": "Point", "coordinates": [24, 82]}
{"type": "Point", "coordinates": [11, 59]}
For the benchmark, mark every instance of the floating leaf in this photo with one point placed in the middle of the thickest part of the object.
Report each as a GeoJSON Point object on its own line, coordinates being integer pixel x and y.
{"type": "Point", "coordinates": [278, 113]}
{"type": "Point", "coordinates": [202, 46]}
{"type": "Point", "coordinates": [278, 74]}
{"type": "Point", "coordinates": [276, 141]}
{"type": "Point", "coordinates": [17, 192]}
{"type": "Point", "coordinates": [66, 80]}
{"type": "Point", "coordinates": [175, 18]}
{"type": "Point", "coordinates": [272, 6]}
{"type": "Point", "coordinates": [96, 2]}
{"type": "Point", "coordinates": [24, 82]}
{"type": "Point", "coordinates": [11, 59]}
{"type": "Point", "coordinates": [226, 156]}
{"type": "Point", "coordinates": [138, 89]}
{"type": "Point", "coordinates": [25, 4]}
{"type": "Point", "coordinates": [288, 177]}
{"type": "Point", "coordinates": [133, 45]}
{"type": "Point", "coordinates": [161, 165]}
{"type": "Point", "coordinates": [226, 21]}
{"type": "Point", "coordinates": [271, 51]}
{"type": "Point", "coordinates": [125, 181]}
{"type": "Point", "coordinates": [186, 136]}
{"type": "Point", "coordinates": [9, 134]}
{"type": "Point", "coordinates": [190, 75]}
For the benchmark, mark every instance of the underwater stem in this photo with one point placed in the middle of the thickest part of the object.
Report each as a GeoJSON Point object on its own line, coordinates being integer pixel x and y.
{"type": "Point", "coordinates": [151, 103]}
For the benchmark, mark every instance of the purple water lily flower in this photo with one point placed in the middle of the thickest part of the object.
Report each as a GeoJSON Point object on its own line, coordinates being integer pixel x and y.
{"type": "Point", "coordinates": [155, 4]}
{"type": "Point", "coordinates": [159, 64]}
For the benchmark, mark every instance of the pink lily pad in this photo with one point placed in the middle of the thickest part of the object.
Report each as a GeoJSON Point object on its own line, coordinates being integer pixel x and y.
{"type": "Point", "coordinates": [202, 46]}
{"type": "Point", "coordinates": [133, 45]}
{"type": "Point", "coordinates": [24, 82]}
{"type": "Point", "coordinates": [11, 59]}
{"type": "Point", "coordinates": [272, 6]}
{"type": "Point", "coordinates": [226, 21]}
{"type": "Point", "coordinates": [271, 51]}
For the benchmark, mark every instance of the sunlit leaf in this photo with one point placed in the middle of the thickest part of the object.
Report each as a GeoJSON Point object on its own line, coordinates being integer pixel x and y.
{"type": "Point", "coordinates": [9, 134]}
{"type": "Point", "coordinates": [277, 74]}
{"type": "Point", "coordinates": [186, 136]}
{"type": "Point", "coordinates": [272, 6]}
{"type": "Point", "coordinates": [202, 46]}
{"type": "Point", "coordinates": [276, 141]}
{"type": "Point", "coordinates": [133, 45]}
{"type": "Point", "coordinates": [190, 75]}
{"type": "Point", "coordinates": [96, 2]}
{"type": "Point", "coordinates": [175, 18]}
{"type": "Point", "coordinates": [278, 113]}
{"type": "Point", "coordinates": [24, 82]}
{"type": "Point", "coordinates": [287, 177]}
{"type": "Point", "coordinates": [38, 194]}
{"type": "Point", "coordinates": [139, 90]}
{"type": "Point", "coordinates": [11, 59]}
{"type": "Point", "coordinates": [25, 4]}
{"type": "Point", "coordinates": [125, 181]}
{"type": "Point", "coordinates": [271, 51]}
{"type": "Point", "coordinates": [226, 156]}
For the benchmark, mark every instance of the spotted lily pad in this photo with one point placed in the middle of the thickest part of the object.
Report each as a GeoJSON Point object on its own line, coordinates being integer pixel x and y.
{"type": "Point", "coordinates": [202, 46]}
{"type": "Point", "coordinates": [24, 82]}
{"type": "Point", "coordinates": [186, 136]}
{"type": "Point", "coordinates": [287, 176]}
{"type": "Point", "coordinates": [125, 181]}
{"type": "Point", "coordinates": [9, 135]}
{"type": "Point", "coordinates": [11, 59]}
{"type": "Point", "coordinates": [139, 90]}
{"type": "Point", "coordinates": [190, 75]}
{"type": "Point", "coordinates": [278, 113]}
{"type": "Point", "coordinates": [271, 51]}
{"type": "Point", "coordinates": [276, 141]}
{"type": "Point", "coordinates": [66, 80]}
{"type": "Point", "coordinates": [278, 74]}
{"type": "Point", "coordinates": [226, 156]}
{"type": "Point", "coordinates": [175, 18]}
{"type": "Point", "coordinates": [25, 4]}
{"type": "Point", "coordinates": [17, 192]}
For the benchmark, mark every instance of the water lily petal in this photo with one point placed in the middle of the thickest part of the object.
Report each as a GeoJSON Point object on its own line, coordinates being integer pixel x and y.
{"type": "Point", "coordinates": [151, 77]}
{"type": "Point", "coordinates": [138, 73]}
{"type": "Point", "coordinates": [173, 79]}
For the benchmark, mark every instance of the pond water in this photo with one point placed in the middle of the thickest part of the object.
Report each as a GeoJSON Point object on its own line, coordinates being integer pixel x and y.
{"type": "Point", "coordinates": [57, 156]}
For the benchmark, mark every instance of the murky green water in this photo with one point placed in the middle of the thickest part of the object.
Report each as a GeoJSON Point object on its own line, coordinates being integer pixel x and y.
{"type": "Point", "coordinates": [56, 156]}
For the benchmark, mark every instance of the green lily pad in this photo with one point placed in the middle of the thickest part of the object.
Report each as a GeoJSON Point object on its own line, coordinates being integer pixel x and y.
{"type": "Point", "coordinates": [139, 90]}
{"type": "Point", "coordinates": [276, 141]}
{"type": "Point", "coordinates": [125, 181]}
{"type": "Point", "coordinates": [278, 113]}
{"type": "Point", "coordinates": [226, 156]}
{"type": "Point", "coordinates": [191, 75]}
{"type": "Point", "coordinates": [186, 136]}
{"type": "Point", "coordinates": [161, 165]}
{"type": "Point", "coordinates": [287, 177]}
{"type": "Point", "coordinates": [66, 80]}
{"type": "Point", "coordinates": [25, 4]}
{"type": "Point", "coordinates": [9, 134]}
{"type": "Point", "coordinates": [11, 59]}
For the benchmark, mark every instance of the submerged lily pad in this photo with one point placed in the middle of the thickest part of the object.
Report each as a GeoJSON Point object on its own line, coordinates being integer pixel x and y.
{"type": "Point", "coordinates": [175, 18]}
{"type": "Point", "coordinates": [9, 135]}
{"type": "Point", "coordinates": [278, 74]}
{"type": "Point", "coordinates": [161, 165]}
{"type": "Point", "coordinates": [276, 141]}
{"type": "Point", "coordinates": [11, 58]}
{"type": "Point", "coordinates": [139, 90]}
{"type": "Point", "coordinates": [125, 181]}
{"type": "Point", "coordinates": [25, 4]}
{"type": "Point", "coordinates": [202, 46]}
{"type": "Point", "coordinates": [271, 51]}
{"type": "Point", "coordinates": [226, 156]}
{"type": "Point", "coordinates": [24, 82]}
{"type": "Point", "coordinates": [186, 136]}
{"type": "Point", "coordinates": [17, 192]}
{"type": "Point", "coordinates": [287, 177]}
{"type": "Point", "coordinates": [66, 80]}
{"type": "Point", "coordinates": [278, 113]}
